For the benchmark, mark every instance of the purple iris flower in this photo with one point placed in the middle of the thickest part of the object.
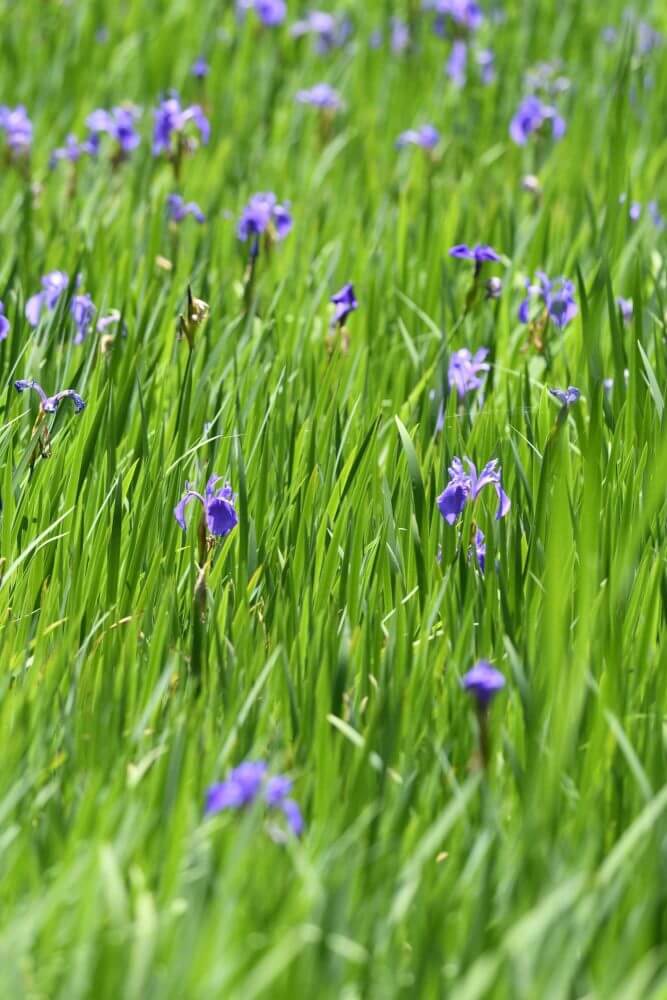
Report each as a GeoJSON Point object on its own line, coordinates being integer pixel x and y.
{"type": "Point", "coordinates": [464, 13]}
{"type": "Point", "coordinates": [328, 31]}
{"type": "Point", "coordinates": [53, 285]}
{"type": "Point", "coordinates": [219, 509]}
{"type": "Point", "coordinates": [566, 397]}
{"type": "Point", "coordinates": [481, 253]}
{"type": "Point", "coordinates": [16, 125]}
{"type": "Point", "coordinates": [464, 368]}
{"type": "Point", "coordinates": [263, 214]}
{"type": "Point", "coordinates": [626, 308]}
{"type": "Point", "coordinates": [656, 215]}
{"type": "Point", "coordinates": [270, 12]}
{"type": "Point", "coordinates": [635, 211]}
{"type": "Point", "coordinates": [480, 549]}
{"type": "Point", "coordinates": [178, 209]}
{"type": "Point", "coordinates": [199, 68]}
{"type": "Point", "coordinates": [320, 96]}
{"type": "Point", "coordinates": [73, 150]}
{"type": "Point", "coordinates": [83, 312]}
{"type": "Point", "coordinates": [49, 404]}
{"type": "Point", "coordinates": [556, 296]}
{"type": "Point", "coordinates": [243, 787]}
{"type": "Point", "coordinates": [426, 136]}
{"type": "Point", "coordinates": [486, 61]}
{"type": "Point", "coordinates": [119, 123]}
{"type": "Point", "coordinates": [171, 121]}
{"type": "Point", "coordinates": [483, 682]}
{"type": "Point", "coordinates": [531, 116]}
{"type": "Point", "coordinates": [457, 63]}
{"type": "Point", "coordinates": [400, 35]}
{"type": "Point", "coordinates": [464, 487]}
{"type": "Point", "coordinates": [4, 323]}
{"type": "Point", "coordinates": [345, 303]}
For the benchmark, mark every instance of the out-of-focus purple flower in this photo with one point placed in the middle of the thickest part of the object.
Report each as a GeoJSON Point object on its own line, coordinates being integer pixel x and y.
{"type": "Point", "coordinates": [320, 96]}
{"type": "Point", "coordinates": [73, 150]}
{"type": "Point", "coordinates": [172, 121]}
{"type": "Point", "coordinates": [264, 214]}
{"type": "Point", "coordinates": [494, 288]}
{"type": "Point", "coordinates": [111, 319]}
{"type": "Point", "coordinates": [556, 296]}
{"type": "Point", "coordinates": [82, 309]}
{"type": "Point", "coordinates": [271, 13]}
{"type": "Point", "coordinates": [119, 123]}
{"type": "Point", "coordinates": [426, 136]}
{"type": "Point", "coordinates": [626, 308]}
{"type": "Point", "coordinates": [345, 302]}
{"type": "Point", "coordinates": [244, 786]}
{"type": "Point", "coordinates": [16, 125]}
{"type": "Point", "coordinates": [465, 14]}
{"type": "Point", "coordinates": [635, 211]}
{"type": "Point", "coordinates": [400, 35]}
{"type": "Point", "coordinates": [49, 404]}
{"type": "Point", "coordinates": [464, 368]}
{"type": "Point", "coordinates": [532, 116]}
{"type": "Point", "coordinates": [328, 31]}
{"type": "Point", "coordinates": [483, 682]}
{"type": "Point", "coordinates": [178, 209]}
{"type": "Point", "coordinates": [464, 487]}
{"type": "Point", "coordinates": [5, 326]}
{"type": "Point", "coordinates": [486, 61]}
{"type": "Point", "coordinates": [648, 38]}
{"type": "Point", "coordinates": [480, 549]}
{"type": "Point", "coordinates": [53, 285]}
{"type": "Point", "coordinates": [566, 397]}
{"type": "Point", "coordinates": [199, 68]}
{"type": "Point", "coordinates": [218, 505]}
{"type": "Point", "coordinates": [480, 254]}
{"type": "Point", "coordinates": [545, 77]}
{"type": "Point", "coordinates": [656, 215]}
{"type": "Point", "coordinates": [457, 63]}
{"type": "Point", "coordinates": [610, 35]}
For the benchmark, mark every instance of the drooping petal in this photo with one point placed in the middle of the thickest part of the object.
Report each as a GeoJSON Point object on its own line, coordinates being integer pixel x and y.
{"type": "Point", "coordinates": [179, 509]}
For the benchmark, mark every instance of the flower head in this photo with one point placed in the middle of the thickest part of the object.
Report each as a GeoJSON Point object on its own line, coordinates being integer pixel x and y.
{"type": "Point", "coordinates": [270, 12]}
{"type": "Point", "coordinates": [464, 487]}
{"type": "Point", "coordinates": [483, 682]}
{"type": "Point", "coordinates": [73, 150]}
{"type": "Point", "coordinates": [464, 368]}
{"type": "Point", "coordinates": [457, 63]}
{"type": "Point", "coordinates": [426, 136]}
{"type": "Point", "coordinates": [626, 308]}
{"type": "Point", "coordinates": [178, 209]}
{"type": "Point", "coordinates": [199, 68]}
{"type": "Point", "coordinates": [533, 115]}
{"type": "Point", "coordinates": [249, 782]}
{"type": "Point", "coordinates": [345, 302]}
{"type": "Point", "coordinates": [53, 285]}
{"type": "Point", "coordinates": [480, 254]}
{"type": "Point", "coordinates": [263, 214]}
{"type": "Point", "coordinates": [566, 396]}
{"type": "Point", "coordinates": [556, 296]}
{"type": "Point", "coordinates": [328, 31]}
{"type": "Point", "coordinates": [172, 122]}
{"type": "Point", "coordinates": [49, 404]}
{"type": "Point", "coordinates": [4, 323]}
{"type": "Point", "coordinates": [83, 311]}
{"type": "Point", "coordinates": [16, 125]}
{"type": "Point", "coordinates": [320, 96]}
{"type": "Point", "coordinates": [119, 123]}
{"type": "Point", "coordinates": [219, 510]}
{"type": "Point", "coordinates": [466, 14]}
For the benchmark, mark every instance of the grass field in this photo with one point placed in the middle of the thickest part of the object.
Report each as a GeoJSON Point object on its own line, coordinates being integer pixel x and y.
{"type": "Point", "coordinates": [328, 632]}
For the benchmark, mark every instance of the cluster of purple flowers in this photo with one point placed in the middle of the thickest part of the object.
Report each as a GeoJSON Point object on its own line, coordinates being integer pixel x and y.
{"type": "Point", "coordinates": [16, 125]}
{"type": "Point", "coordinates": [218, 506]}
{"type": "Point", "coordinates": [82, 307]}
{"type": "Point", "coordinates": [249, 784]}
{"type": "Point", "coordinates": [555, 297]}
